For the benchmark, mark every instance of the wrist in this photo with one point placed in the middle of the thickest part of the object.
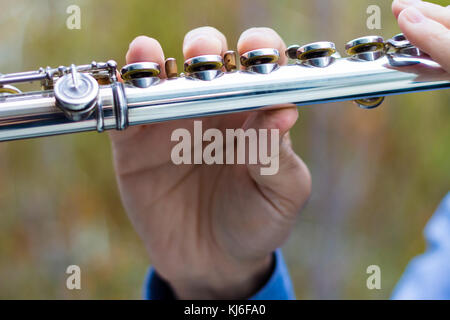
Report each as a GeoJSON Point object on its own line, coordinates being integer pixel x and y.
{"type": "Point", "coordinates": [237, 281]}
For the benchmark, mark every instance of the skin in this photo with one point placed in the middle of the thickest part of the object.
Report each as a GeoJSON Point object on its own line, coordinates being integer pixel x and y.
{"type": "Point", "coordinates": [210, 230]}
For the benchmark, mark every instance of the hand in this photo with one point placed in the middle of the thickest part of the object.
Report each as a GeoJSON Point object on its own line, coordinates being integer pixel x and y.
{"type": "Point", "coordinates": [426, 25]}
{"type": "Point", "coordinates": [210, 230]}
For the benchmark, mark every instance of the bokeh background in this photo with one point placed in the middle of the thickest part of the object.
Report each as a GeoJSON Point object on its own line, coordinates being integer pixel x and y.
{"type": "Point", "coordinates": [378, 175]}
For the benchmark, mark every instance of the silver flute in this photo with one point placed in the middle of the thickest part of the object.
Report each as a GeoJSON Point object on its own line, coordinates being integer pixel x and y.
{"type": "Point", "coordinates": [92, 97]}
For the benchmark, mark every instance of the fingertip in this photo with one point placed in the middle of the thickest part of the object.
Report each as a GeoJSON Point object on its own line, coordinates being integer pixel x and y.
{"type": "Point", "coordinates": [399, 5]}
{"type": "Point", "coordinates": [431, 10]}
{"type": "Point", "coordinates": [257, 38]}
{"type": "Point", "coordinates": [428, 35]}
{"type": "Point", "coordinates": [396, 7]}
{"type": "Point", "coordinates": [202, 45]}
{"type": "Point", "coordinates": [144, 48]}
{"type": "Point", "coordinates": [203, 41]}
{"type": "Point", "coordinates": [406, 26]}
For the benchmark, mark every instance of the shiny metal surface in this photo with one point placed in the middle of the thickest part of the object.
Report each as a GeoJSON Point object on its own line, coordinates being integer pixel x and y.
{"type": "Point", "coordinates": [400, 44]}
{"type": "Point", "coordinates": [291, 51]}
{"type": "Point", "coordinates": [317, 54]}
{"type": "Point", "coordinates": [8, 89]}
{"type": "Point", "coordinates": [260, 56]}
{"type": "Point", "coordinates": [369, 103]}
{"type": "Point", "coordinates": [120, 105]}
{"type": "Point", "coordinates": [48, 75]}
{"type": "Point", "coordinates": [242, 91]}
{"type": "Point", "coordinates": [141, 74]}
{"type": "Point", "coordinates": [202, 63]}
{"type": "Point", "coordinates": [322, 48]}
{"type": "Point", "coordinates": [398, 41]}
{"type": "Point", "coordinates": [76, 94]}
{"type": "Point", "coordinates": [364, 43]}
{"type": "Point", "coordinates": [140, 70]}
{"type": "Point", "coordinates": [35, 114]}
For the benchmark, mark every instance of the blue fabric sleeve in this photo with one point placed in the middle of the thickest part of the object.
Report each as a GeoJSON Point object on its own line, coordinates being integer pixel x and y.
{"type": "Point", "coordinates": [428, 275]}
{"type": "Point", "coordinates": [278, 287]}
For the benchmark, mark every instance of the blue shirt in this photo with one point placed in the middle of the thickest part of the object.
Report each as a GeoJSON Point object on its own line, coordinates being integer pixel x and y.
{"type": "Point", "coordinates": [426, 277]}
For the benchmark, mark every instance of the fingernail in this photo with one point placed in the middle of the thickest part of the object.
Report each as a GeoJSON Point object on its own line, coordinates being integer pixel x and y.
{"type": "Point", "coordinates": [413, 15]}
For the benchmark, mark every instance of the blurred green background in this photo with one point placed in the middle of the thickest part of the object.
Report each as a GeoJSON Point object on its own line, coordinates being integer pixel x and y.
{"type": "Point", "coordinates": [378, 175]}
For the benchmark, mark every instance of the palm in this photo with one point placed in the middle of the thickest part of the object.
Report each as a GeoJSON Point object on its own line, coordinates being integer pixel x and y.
{"type": "Point", "coordinates": [202, 199]}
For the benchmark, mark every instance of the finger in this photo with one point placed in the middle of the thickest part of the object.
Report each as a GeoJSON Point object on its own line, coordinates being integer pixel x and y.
{"type": "Point", "coordinates": [286, 180]}
{"type": "Point", "coordinates": [141, 49]}
{"type": "Point", "coordinates": [258, 38]}
{"type": "Point", "coordinates": [428, 35]}
{"type": "Point", "coordinates": [288, 185]}
{"type": "Point", "coordinates": [202, 41]}
{"type": "Point", "coordinates": [431, 10]}
{"type": "Point", "coordinates": [146, 49]}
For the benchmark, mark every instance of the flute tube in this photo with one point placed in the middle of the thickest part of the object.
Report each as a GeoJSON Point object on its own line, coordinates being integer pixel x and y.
{"type": "Point", "coordinates": [34, 114]}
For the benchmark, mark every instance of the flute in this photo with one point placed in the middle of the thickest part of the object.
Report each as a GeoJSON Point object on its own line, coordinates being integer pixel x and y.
{"type": "Point", "coordinates": [91, 97]}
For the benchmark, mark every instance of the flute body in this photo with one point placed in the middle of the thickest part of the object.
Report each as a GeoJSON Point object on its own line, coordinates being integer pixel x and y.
{"type": "Point", "coordinates": [211, 91]}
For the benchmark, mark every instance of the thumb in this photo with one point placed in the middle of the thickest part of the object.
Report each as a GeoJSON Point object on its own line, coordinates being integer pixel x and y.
{"type": "Point", "coordinates": [284, 179]}
{"type": "Point", "coordinates": [429, 35]}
